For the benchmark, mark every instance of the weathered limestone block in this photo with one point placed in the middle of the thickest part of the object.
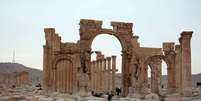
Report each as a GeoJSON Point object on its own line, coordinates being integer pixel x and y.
{"type": "Point", "coordinates": [168, 46]}
{"type": "Point", "coordinates": [83, 84]}
{"type": "Point", "coordinates": [121, 26]}
{"type": "Point", "coordinates": [86, 23]}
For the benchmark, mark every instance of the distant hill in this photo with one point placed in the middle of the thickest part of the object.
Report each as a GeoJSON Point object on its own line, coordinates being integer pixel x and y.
{"type": "Point", "coordinates": [195, 78]}
{"type": "Point", "coordinates": [9, 68]}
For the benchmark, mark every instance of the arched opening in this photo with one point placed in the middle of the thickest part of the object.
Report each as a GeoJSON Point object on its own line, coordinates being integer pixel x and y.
{"type": "Point", "coordinates": [108, 45]}
{"type": "Point", "coordinates": [164, 77]}
{"type": "Point", "coordinates": [105, 46]}
{"type": "Point", "coordinates": [149, 76]}
{"type": "Point", "coordinates": [157, 74]}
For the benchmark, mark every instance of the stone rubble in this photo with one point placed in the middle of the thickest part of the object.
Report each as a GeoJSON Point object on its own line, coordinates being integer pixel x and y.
{"type": "Point", "coordinates": [30, 93]}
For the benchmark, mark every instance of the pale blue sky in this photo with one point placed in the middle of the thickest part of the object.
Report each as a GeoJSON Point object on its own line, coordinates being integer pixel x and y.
{"type": "Point", "coordinates": [155, 21]}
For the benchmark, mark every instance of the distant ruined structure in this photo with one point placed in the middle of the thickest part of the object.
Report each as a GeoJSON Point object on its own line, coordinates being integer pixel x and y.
{"type": "Point", "coordinates": [22, 78]}
{"type": "Point", "coordinates": [67, 67]}
{"type": "Point", "coordinates": [15, 79]}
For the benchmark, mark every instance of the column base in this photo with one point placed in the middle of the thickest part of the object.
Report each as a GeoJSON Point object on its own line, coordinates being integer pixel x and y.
{"type": "Point", "coordinates": [187, 92]}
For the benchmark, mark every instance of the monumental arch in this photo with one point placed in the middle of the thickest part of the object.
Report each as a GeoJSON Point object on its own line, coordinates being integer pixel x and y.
{"type": "Point", "coordinates": [67, 67]}
{"type": "Point", "coordinates": [89, 29]}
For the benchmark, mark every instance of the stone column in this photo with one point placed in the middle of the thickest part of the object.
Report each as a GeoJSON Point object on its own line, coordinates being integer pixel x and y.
{"type": "Point", "coordinates": [168, 48]}
{"type": "Point", "coordinates": [99, 78]}
{"type": "Point", "coordinates": [71, 78]}
{"type": "Point", "coordinates": [178, 68]}
{"type": "Point", "coordinates": [109, 74]}
{"type": "Point", "coordinates": [123, 75]}
{"type": "Point", "coordinates": [160, 74]}
{"type": "Point", "coordinates": [101, 75]}
{"type": "Point", "coordinates": [143, 79]}
{"type": "Point", "coordinates": [92, 75]}
{"type": "Point", "coordinates": [154, 79]}
{"type": "Point", "coordinates": [95, 75]}
{"type": "Point", "coordinates": [186, 76]}
{"type": "Point", "coordinates": [156, 89]}
{"type": "Point", "coordinates": [171, 77]}
{"type": "Point", "coordinates": [104, 75]}
{"type": "Point", "coordinates": [113, 72]}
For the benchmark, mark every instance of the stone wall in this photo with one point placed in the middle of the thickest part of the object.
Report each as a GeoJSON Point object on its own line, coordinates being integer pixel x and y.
{"type": "Point", "coordinates": [61, 62]}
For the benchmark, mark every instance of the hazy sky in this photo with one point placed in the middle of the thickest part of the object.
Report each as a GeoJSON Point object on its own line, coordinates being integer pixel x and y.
{"type": "Point", "coordinates": [155, 21]}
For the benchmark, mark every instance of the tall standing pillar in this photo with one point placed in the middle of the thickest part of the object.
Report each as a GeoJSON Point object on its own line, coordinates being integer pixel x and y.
{"type": "Point", "coordinates": [154, 79]}
{"type": "Point", "coordinates": [124, 75]}
{"type": "Point", "coordinates": [178, 68]}
{"type": "Point", "coordinates": [101, 75]}
{"type": "Point", "coordinates": [95, 76]}
{"type": "Point", "coordinates": [113, 72]}
{"type": "Point", "coordinates": [92, 75]}
{"type": "Point", "coordinates": [109, 74]}
{"type": "Point", "coordinates": [160, 73]}
{"type": "Point", "coordinates": [186, 76]}
{"type": "Point", "coordinates": [98, 75]}
{"type": "Point", "coordinates": [104, 75]}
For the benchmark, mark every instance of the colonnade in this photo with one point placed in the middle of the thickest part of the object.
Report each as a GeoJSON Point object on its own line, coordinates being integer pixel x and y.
{"type": "Point", "coordinates": [103, 74]}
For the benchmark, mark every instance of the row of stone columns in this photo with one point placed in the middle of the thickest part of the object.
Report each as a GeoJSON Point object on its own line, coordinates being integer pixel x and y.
{"type": "Point", "coordinates": [103, 74]}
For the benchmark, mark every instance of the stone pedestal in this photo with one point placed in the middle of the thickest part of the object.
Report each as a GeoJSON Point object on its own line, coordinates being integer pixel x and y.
{"type": "Point", "coordinates": [83, 84]}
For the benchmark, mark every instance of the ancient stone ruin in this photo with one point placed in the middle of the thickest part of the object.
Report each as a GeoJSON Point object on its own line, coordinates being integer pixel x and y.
{"type": "Point", "coordinates": [22, 78]}
{"type": "Point", "coordinates": [67, 67]}
{"type": "Point", "coordinates": [15, 79]}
